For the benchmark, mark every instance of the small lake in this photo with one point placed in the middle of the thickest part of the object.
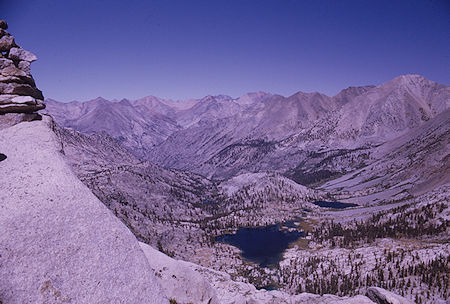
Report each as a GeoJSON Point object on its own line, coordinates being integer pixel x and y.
{"type": "Point", "coordinates": [336, 205]}
{"type": "Point", "coordinates": [262, 245]}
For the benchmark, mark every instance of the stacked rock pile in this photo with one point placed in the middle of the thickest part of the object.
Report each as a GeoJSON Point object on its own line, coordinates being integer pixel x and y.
{"type": "Point", "coordinates": [18, 92]}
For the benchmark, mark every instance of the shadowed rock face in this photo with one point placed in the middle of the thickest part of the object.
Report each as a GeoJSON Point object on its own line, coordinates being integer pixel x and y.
{"type": "Point", "coordinates": [18, 92]}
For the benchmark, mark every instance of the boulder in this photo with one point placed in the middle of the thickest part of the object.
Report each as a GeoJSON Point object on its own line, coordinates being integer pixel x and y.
{"type": "Point", "coordinates": [20, 54]}
{"type": "Point", "coordinates": [6, 43]}
{"type": "Point", "coordinates": [5, 62]}
{"type": "Point", "coordinates": [21, 108]}
{"type": "Point", "coordinates": [6, 98]}
{"type": "Point", "coordinates": [3, 25]}
{"type": "Point", "coordinates": [23, 99]}
{"type": "Point", "coordinates": [25, 66]}
{"type": "Point", "coordinates": [58, 242]}
{"type": "Point", "coordinates": [27, 90]}
{"type": "Point", "coordinates": [382, 296]}
{"type": "Point", "coordinates": [15, 99]}
{"type": "Point", "coordinates": [8, 79]}
{"type": "Point", "coordinates": [20, 89]}
{"type": "Point", "coordinates": [18, 79]}
{"type": "Point", "coordinates": [12, 70]}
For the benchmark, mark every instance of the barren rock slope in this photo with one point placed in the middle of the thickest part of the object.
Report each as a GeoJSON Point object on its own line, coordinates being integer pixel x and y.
{"type": "Point", "coordinates": [59, 243]}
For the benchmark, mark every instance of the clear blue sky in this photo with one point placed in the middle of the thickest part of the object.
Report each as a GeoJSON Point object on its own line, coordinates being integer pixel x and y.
{"type": "Point", "coordinates": [183, 49]}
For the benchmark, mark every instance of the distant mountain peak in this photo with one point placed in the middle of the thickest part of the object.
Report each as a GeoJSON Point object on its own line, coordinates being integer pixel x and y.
{"type": "Point", "coordinates": [98, 99]}
{"type": "Point", "coordinates": [410, 80]}
{"type": "Point", "coordinates": [357, 88]}
{"type": "Point", "coordinates": [308, 94]}
{"type": "Point", "coordinates": [413, 77]}
{"type": "Point", "coordinates": [346, 95]}
{"type": "Point", "coordinates": [252, 97]}
{"type": "Point", "coordinates": [150, 98]}
{"type": "Point", "coordinates": [257, 94]}
{"type": "Point", "coordinates": [223, 97]}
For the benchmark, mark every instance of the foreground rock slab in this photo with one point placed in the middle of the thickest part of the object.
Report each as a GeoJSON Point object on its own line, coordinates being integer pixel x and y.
{"type": "Point", "coordinates": [59, 243]}
{"type": "Point", "coordinates": [178, 280]}
{"type": "Point", "coordinates": [186, 282]}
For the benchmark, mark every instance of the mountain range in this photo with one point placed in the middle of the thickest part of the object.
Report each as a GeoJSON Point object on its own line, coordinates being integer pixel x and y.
{"type": "Point", "coordinates": [305, 136]}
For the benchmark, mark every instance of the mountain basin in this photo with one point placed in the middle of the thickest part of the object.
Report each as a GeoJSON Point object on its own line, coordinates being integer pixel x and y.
{"type": "Point", "coordinates": [262, 245]}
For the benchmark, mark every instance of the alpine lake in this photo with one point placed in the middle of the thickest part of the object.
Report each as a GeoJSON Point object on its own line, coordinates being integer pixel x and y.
{"type": "Point", "coordinates": [265, 245]}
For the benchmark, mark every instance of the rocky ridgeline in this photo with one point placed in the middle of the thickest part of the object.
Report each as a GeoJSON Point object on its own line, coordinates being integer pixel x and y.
{"type": "Point", "coordinates": [18, 92]}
